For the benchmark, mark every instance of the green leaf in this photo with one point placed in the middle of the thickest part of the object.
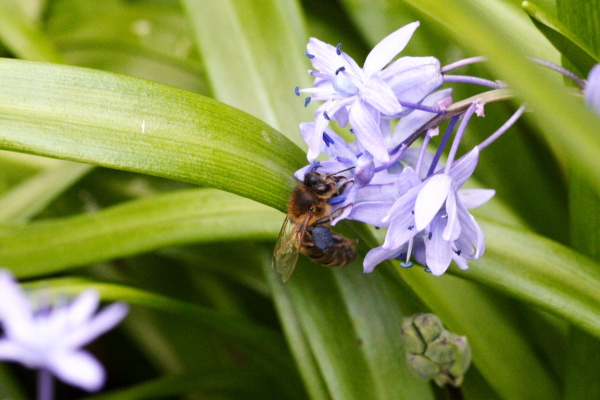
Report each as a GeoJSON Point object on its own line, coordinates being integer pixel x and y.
{"type": "Point", "coordinates": [541, 272]}
{"type": "Point", "coordinates": [28, 198]}
{"type": "Point", "coordinates": [23, 37]}
{"type": "Point", "coordinates": [236, 384]}
{"type": "Point", "coordinates": [201, 215]}
{"type": "Point", "coordinates": [349, 326]}
{"type": "Point", "coordinates": [255, 63]}
{"type": "Point", "coordinates": [502, 352]}
{"type": "Point", "coordinates": [263, 341]}
{"type": "Point", "coordinates": [570, 46]}
{"type": "Point", "coordinates": [136, 125]}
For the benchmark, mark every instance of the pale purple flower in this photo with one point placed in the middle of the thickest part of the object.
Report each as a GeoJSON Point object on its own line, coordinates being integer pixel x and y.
{"type": "Point", "coordinates": [51, 338]}
{"type": "Point", "coordinates": [362, 96]}
{"type": "Point", "coordinates": [592, 90]}
{"type": "Point", "coordinates": [432, 216]}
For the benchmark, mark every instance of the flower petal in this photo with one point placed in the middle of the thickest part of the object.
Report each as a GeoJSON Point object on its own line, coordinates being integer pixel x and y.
{"type": "Point", "coordinates": [378, 94]}
{"type": "Point", "coordinates": [367, 131]}
{"type": "Point", "coordinates": [464, 167]}
{"type": "Point", "coordinates": [452, 230]}
{"type": "Point", "coordinates": [472, 198]}
{"type": "Point", "coordinates": [388, 48]}
{"type": "Point", "coordinates": [376, 256]}
{"type": "Point", "coordinates": [431, 198]}
{"type": "Point", "coordinates": [370, 212]}
{"type": "Point", "coordinates": [78, 369]}
{"type": "Point", "coordinates": [15, 308]}
{"type": "Point", "coordinates": [83, 307]}
{"type": "Point", "coordinates": [102, 322]}
{"type": "Point", "coordinates": [592, 90]}
{"type": "Point", "coordinates": [413, 78]}
{"type": "Point", "coordinates": [438, 251]}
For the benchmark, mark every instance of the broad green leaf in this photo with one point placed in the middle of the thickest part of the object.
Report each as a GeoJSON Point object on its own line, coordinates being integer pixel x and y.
{"type": "Point", "coordinates": [254, 56]}
{"type": "Point", "coordinates": [541, 272]}
{"type": "Point", "coordinates": [581, 367]}
{"type": "Point", "coordinates": [349, 325]}
{"type": "Point", "coordinates": [136, 125]}
{"type": "Point", "coordinates": [150, 40]}
{"type": "Point", "coordinates": [562, 38]}
{"type": "Point", "coordinates": [201, 215]}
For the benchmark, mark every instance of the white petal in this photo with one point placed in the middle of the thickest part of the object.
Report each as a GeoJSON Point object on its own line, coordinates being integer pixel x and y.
{"type": "Point", "coordinates": [376, 256]}
{"type": "Point", "coordinates": [378, 94]}
{"type": "Point", "coordinates": [439, 251]}
{"type": "Point", "coordinates": [431, 198]}
{"type": "Point", "coordinates": [104, 321]}
{"type": "Point", "coordinates": [78, 369]}
{"type": "Point", "coordinates": [592, 90]}
{"type": "Point", "coordinates": [13, 351]}
{"type": "Point", "coordinates": [367, 131]}
{"type": "Point", "coordinates": [472, 198]}
{"type": "Point", "coordinates": [452, 230]}
{"type": "Point", "coordinates": [15, 308]}
{"type": "Point", "coordinates": [83, 307]}
{"type": "Point", "coordinates": [326, 59]}
{"type": "Point", "coordinates": [464, 167]}
{"type": "Point", "coordinates": [370, 212]}
{"type": "Point", "coordinates": [388, 48]}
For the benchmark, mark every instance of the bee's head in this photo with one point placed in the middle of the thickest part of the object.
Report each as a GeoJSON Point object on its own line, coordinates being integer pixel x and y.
{"type": "Point", "coordinates": [323, 185]}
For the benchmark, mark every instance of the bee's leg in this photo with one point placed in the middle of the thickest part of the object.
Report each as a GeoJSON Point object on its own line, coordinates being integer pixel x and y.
{"type": "Point", "coordinates": [342, 187]}
{"type": "Point", "coordinates": [328, 218]}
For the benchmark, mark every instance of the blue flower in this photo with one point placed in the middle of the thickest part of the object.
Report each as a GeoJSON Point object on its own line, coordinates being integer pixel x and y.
{"type": "Point", "coordinates": [431, 219]}
{"type": "Point", "coordinates": [363, 96]}
{"type": "Point", "coordinates": [51, 338]}
{"type": "Point", "coordinates": [592, 90]}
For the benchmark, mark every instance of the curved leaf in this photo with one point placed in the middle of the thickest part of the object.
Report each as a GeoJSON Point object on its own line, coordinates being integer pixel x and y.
{"type": "Point", "coordinates": [188, 216]}
{"type": "Point", "coordinates": [541, 272]}
{"type": "Point", "coordinates": [562, 38]}
{"type": "Point", "coordinates": [136, 125]}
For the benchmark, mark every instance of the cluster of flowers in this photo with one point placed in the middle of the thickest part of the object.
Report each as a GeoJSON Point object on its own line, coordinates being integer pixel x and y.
{"type": "Point", "coordinates": [387, 106]}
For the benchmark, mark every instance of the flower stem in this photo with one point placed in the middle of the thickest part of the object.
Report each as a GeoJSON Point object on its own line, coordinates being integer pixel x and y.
{"type": "Point", "coordinates": [459, 134]}
{"type": "Point", "coordinates": [472, 79]}
{"type": "Point", "coordinates": [45, 387]}
{"type": "Point", "coordinates": [462, 63]}
{"type": "Point", "coordinates": [560, 70]}
{"type": "Point", "coordinates": [503, 128]}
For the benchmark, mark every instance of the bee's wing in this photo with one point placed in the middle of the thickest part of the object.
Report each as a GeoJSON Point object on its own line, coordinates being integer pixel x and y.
{"type": "Point", "coordinates": [287, 248]}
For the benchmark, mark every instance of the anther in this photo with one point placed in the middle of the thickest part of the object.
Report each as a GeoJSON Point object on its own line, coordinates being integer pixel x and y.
{"type": "Point", "coordinates": [407, 264]}
{"type": "Point", "coordinates": [307, 101]}
{"type": "Point", "coordinates": [297, 91]}
{"type": "Point", "coordinates": [338, 49]}
{"type": "Point", "coordinates": [340, 69]}
{"type": "Point", "coordinates": [326, 116]}
{"type": "Point", "coordinates": [310, 56]}
{"type": "Point", "coordinates": [327, 139]}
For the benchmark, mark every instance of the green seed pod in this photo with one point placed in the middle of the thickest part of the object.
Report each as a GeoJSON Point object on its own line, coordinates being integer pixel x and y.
{"type": "Point", "coordinates": [432, 352]}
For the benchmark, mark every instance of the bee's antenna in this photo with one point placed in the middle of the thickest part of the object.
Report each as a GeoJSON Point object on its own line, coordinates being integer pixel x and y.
{"type": "Point", "coordinates": [339, 172]}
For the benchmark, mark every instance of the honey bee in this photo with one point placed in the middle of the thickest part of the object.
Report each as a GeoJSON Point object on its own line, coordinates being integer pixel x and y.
{"type": "Point", "coordinates": [306, 227]}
